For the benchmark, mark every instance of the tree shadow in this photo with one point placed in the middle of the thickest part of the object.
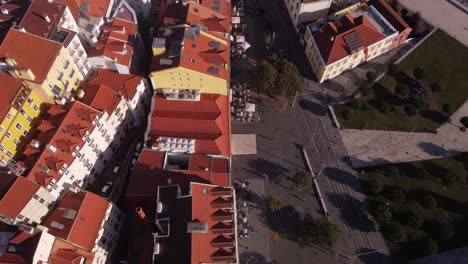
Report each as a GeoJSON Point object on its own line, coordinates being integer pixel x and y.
{"type": "Point", "coordinates": [288, 222]}
{"type": "Point", "coordinates": [442, 201]}
{"type": "Point", "coordinates": [352, 211]}
{"type": "Point", "coordinates": [358, 163]}
{"type": "Point", "coordinates": [434, 116]}
{"type": "Point", "coordinates": [436, 150]}
{"type": "Point", "coordinates": [343, 177]}
{"type": "Point", "coordinates": [375, 257]}
{"type": "Point", "coordinates": [253, 257]}
{"type": "Point", "coordinates": [315, 108]}
{"type": "Point", "coordinates": [268, 169]}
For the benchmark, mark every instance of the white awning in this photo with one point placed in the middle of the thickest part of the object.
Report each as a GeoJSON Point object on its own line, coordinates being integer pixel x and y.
{"type": "Point", "coordinates": [236, 20]}
{"type": "Point", "coordinates": [249, 107]}
{"type": "Point", "coordinates": [240, 38]}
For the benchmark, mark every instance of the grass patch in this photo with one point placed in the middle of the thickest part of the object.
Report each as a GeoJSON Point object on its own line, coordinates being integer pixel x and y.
{"type": "Point", "coordinates": [450, 201]}
{"type": "Point", "coordinates": [443, 60]}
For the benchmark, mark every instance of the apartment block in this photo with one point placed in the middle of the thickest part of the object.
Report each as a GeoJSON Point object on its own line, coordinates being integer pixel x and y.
{"type": "Point", "coordinates": [119, 47]}
{"type": "Point", "coordinates": [348, 38]}
{"type": "Point", "coordinates": [19, 109]}
{"type": "Point", "coordinates": [301, 11]}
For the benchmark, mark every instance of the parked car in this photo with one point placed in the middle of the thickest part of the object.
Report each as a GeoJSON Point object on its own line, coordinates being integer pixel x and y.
{"type": "Point", "coordinates": [116, 169]}
{"type": "Point", "coordinates": [106, 189]}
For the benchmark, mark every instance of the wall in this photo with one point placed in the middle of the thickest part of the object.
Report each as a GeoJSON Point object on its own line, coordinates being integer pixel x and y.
{"type": "Point", "coordinates": [108, 236]}
{"type": "Point", "coordinates": [37, 207]}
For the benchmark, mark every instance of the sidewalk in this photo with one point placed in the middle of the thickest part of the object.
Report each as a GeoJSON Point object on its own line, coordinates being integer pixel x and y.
{"type": "Point", "coordinates": [374, 147]}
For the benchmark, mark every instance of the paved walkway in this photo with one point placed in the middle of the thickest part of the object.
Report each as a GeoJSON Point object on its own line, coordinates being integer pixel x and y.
{"type": "Point", "coordinates": [375, 147]}
{"type": "Point", "coordinates": [442, 14]}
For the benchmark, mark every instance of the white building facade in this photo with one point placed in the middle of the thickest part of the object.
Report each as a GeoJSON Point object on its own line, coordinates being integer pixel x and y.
{"type": "Point", "coordinates": [301, 11]}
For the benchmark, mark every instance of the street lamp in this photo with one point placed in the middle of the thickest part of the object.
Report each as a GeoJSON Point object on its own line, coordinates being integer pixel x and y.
{"type": "Point", "coordinates": [326, 166]}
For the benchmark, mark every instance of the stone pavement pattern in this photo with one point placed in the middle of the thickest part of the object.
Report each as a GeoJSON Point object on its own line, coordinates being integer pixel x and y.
{"type": "Point", "coordinates": [375, 147]}
{"type": "Point", "coordinates": [442, 14]}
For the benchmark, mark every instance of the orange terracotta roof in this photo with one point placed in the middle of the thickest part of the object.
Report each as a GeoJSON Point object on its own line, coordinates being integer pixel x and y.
{"type": "Point", "coordinates": [27, 242]}
{"type": "Point", "coordinates": [149, 172]}
{"type": "Point", "coordinates": [61, 245]}
{"type": "Point", "coordinates": [10, 88]}
{"type": "Point", "coordinates": [97, 8]}
{"type": "Point", "coordinates": [193, 14]}
{"type": "Point", "coordinates": [330, 39]}
{"type": "Point", "coordinates": [34, 21]}
{"type": "Point", "coordinates": [390, 14]}
{"type": "Point", "coordinates": [71, 125]}
{"type": "Point", "coordinates": [17, 197]}
{"type": "Point", "coordinates": [83, 229]}
{"type": "Point", "coordinates": [118, 38]}
{"type": "Point", "coordinates": [206, 121]}
{"type": "Point", "coordinates": [65, 256]}
{"type": "Point", "coordinates": [221, 6]}
{"type": "Point", "coordinates": [101, 97]}
{"type": "Point", "coordinates": [124, 84]}
{"type": "Point", "coordinates": [16, 10]}
{"type": "Point", "coordinates": [12, 258]}
{"type": "Point", "coordinates": [30, 52]}
{"type": "Point", "coordinates": [200, 53]}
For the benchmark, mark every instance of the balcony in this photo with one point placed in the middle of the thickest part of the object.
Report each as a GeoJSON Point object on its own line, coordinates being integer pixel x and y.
{"type": "Point", "coordinates": [222, 215]}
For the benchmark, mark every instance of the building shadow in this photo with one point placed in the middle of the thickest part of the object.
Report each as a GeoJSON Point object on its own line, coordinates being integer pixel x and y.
{"type": "Point", "coordinates": [442, 201]}
{"type": "Point", "coordinates": [343, 177]}
{"type": "Point", "coordinates": [352, 211]}
{"type": "Point", "coordinates": [267, 169]}
{"type": "Point", "coordinates": [315, 108]}
{"type": "Point", "coordinates": [373, 256]}
{"type": "Point", "coordinates": [252, 257]}
{"type": "Point", "coordinates": [434, 116]}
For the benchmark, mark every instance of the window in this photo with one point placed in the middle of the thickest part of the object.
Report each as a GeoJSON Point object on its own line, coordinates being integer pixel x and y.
{"type": "Point", "coordinates": [23, 112]}
{"type": "Point", "coordinates": [9, 154]}
{"type": "Point", "coordinates": [36, 197]}
{"type": "Point", "coordinates": [8, 134]}
{"type": "Point", "coordinates": [16, 142]}
{"type": "Point", "coordinates": [27, 220]}
{"type": "Point", "coordinates": [36, 108]}
{"type": "Point", "coordinates": [26, 133]}
{"type": "Point", "coordinates": [1, 128]}
{"type": "Point", "coordinates": [30, 119]}
{"type": "Point", "coordinates": [19, 126]}
{"type": "Point", "coordinates": [41, 200]}
{"type": "Point", "coordinates": [8, 116]}
{"type": "Point", "coordinates": [2, 148]}
{"type": "Point", "coordinates": [20, 217]}
{"type": "Point", "coordinates": [29, 100]}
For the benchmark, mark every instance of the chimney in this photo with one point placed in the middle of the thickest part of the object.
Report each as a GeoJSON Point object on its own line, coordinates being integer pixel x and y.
{"type": "Point", "coordinates": [11, 62]}
{"type": "Point", "coordinates": [21, 29]}
{"type": "Point", "coordinates": [4, 11]}
{"type": "Point", "coordinates": [26, 74]}
{"type": "Point", "coordinates": [46, 17]}
{"type": "Point", "coordinates": [140, 212]}
{"type": "Point", "coordinates": [332, 38]}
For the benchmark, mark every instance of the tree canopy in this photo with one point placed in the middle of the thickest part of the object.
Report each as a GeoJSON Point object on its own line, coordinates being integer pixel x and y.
{"type": "Point", "coordinates": [323, 232]}
{"type": "Point", "coordinates": [302, 179]}
{"type": "Point", "coordinates": [273, 204]}
{"type": "Point", "coordinates": [281, 78]}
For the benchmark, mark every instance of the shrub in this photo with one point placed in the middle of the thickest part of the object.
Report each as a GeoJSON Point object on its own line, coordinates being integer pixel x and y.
{"type": "Point", "coordinates": [447, 108]}
{"type": "Point", "coordinates": [444, 231]}
{"type": "Point", "coordinates": [464, 121]}
{"type": "Point", "coordinates": [374, 186]}
{"type": "Point", "coordinates": [395, 233]}
{"type": "Point", "coordinates": [413, 219]}
{"type": "Point", "coordinates": [392, 171]}
{"type": "Point", "coordinates": [356, 104]}
{"type": "Point", "coordinates": [365, 89]}
{"type": "Point", "coordinates": [393, 69]}
{"type": "Point", "coordinates": [371, 76]}
{"type": "Point", "coordinates": [382, 213]}
{"type": "Point", "coordinates": [436, 87]}
{"type": "Point", "coordinates": [419, 103]}
{"type": "Point", "coordinates": [402, 89]}
{"type": "Point", "coordinates": [383, 106]}
{"type": "Point", "coordinates": [323, 232]}
{"type": "Point", "coordinates": [364, 106]}
{"type": "Point", "coordinates": [448, 178]}
{"type": "Point", "coordinates": [273, 204]}
{"type": "Point", "coordinates": [398, 196]}
{"type": "Point", "coordinates": [347, 114]}
{"type": "Point", "coordinates": [410, 110]}
{"type": "Point", "coordinates": [428, 247]}
{"type": "Point", "coordinates": [429, 202]}
{"type": "Point", "coordinates": [422, 174]}
{"type": "Point", "coordinates": [418, 73]}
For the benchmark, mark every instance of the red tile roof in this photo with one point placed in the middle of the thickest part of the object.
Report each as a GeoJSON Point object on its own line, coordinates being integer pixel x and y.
{"type": "Point", "coordinates": [330, 39]}
{"type": "Point", "coordinates": [124, 84]}
{"type": "Point", "coordinates": [57, 255]}
{"type": "Point", "coordinates": [65, 256]}
{"type": "Point", "coordinates": [224, 6]}
{"type": "Point", "coordinates": [101, 97]}
{"type": "Point", "coordinates": [149, 172]}
{"type": "Point", "coordinates": [390, 14]}
{"type": "Point", "coordinates": [97, 8]}
{"type": "Point", "coordinates": [118, 38]}
{"type": "Point", "coordinates": [200, 53]}
{"type": "Point", "coordinates": [30, 52]}
{"type": "Point", "coordinates": [35, 23]}
{"type": "Point", "coordinates": [10, 88]}
{"type": "Point", "coordinates": [194, 13]}
{"type": "Point", "coordinates": [206, 121]}
{"type": "Point", "coordinates": [18, 191]}
{"type": "Point", "coordinates": [83, 229]}
{"type": "Point", "coordinates": [71, 124]}
{"type": "Point", "coordinates": [27, 242]}
{"type": "Point", "coordinates": [16, 10]}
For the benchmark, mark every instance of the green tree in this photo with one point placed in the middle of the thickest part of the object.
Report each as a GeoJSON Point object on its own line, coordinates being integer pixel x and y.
{"type": "Point", "coordinates": [413, 219]}
{"type": "Point", "coordinates": [418, 73]}
{"type": "Point", "coordinates": [289, 80]}
{"type": "Point", "coordinates": [395, 233]}
{"type": "Point", "coordinates": [422, 174]}
{"type": "Point", "coordinates": [356, 104]}
{"type": "Point", "coordinates": [382, 213]}
{"type": "Point", "coordinates": [371, 76]}
{"type": "Point", "coordinates": [428, 246]}
{"type": "Point", "coordinates": [464, 121]}
{"type": "Point", "coordinates": [374, 186]}
{"type": "Point", "coordinates": [303, 180]}
{"type": "Point", "coordinates": [402, 89]}
{"type": "Point", "coordinates": [365, 89]}
{"type": "Point", "coordinates": [448, 178]}
{"type": "Point", "coordinates": [273, 204]}
{"type": "Point", "coordinates": [410, 110]}
{"type": "Point", "coordinates": [392, 171]}
{"type": "Point", "coordinates": [429, 202]}
{"type": "Point", "coordinates": [323, 232]}
{"type": "Point", "coordinates": [419, 103]}
{"type": "Point", "coordinates": [265, 77]}
{"type": "Point", "coordinates": [347, 114]}
{"type": "Point", "coordinates": [393, 69]}
{"type": "Point", "coordinates": [383, 106]}
{"type": "Point", "coordinates": [444, 231]}
{"type": "Point", "coordinates": [398, 196]}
